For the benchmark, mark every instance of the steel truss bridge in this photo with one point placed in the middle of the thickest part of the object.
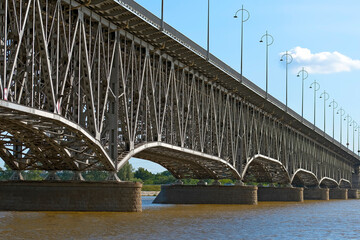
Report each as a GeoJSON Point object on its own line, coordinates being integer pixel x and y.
{"type": "Point", "coordinates": [86, 85]}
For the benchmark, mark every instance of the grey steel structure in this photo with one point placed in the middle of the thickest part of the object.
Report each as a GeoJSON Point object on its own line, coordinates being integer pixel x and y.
{"type": "Point", "coordinates": [89, 84]}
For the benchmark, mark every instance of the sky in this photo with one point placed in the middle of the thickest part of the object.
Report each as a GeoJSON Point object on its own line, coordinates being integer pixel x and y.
{"type": "Point", "coordinates": [322, 36]}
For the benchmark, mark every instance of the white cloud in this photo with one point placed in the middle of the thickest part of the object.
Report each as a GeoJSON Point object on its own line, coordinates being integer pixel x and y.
{"type": "Point", "coordinates": [322, 62]}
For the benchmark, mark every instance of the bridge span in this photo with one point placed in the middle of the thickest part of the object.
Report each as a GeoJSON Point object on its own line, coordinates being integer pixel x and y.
{"type": "Point", "coordinates": [86, 85]}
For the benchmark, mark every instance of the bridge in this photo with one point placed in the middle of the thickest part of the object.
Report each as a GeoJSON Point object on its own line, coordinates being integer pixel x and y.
{"type": "Point", "coordinates": [87, 85]}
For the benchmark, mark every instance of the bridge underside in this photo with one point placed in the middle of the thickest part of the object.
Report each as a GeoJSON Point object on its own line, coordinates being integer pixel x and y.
{"type": "Point", "coordinates": [304, 178]}
{"type": "Point", "coordinates": [344, 183]}
{"type": "Point", "coordinates": [264, 169]}
{"type": "Point", "coordinates": [328, 183]}
{"type": "Point", "coordinates": [185, 163]}
{"type": "Point", "coordinates": [32, 139]}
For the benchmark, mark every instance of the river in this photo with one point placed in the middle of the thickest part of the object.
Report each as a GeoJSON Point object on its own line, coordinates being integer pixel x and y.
{"type": "Point", "coordinates": [334, 219]}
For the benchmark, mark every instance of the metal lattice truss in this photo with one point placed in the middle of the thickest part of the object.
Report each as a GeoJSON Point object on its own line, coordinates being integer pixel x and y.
{"type": "Point", "coordinates": [106, 93]}
{"type": "Point", "coordinates": [32, 139]}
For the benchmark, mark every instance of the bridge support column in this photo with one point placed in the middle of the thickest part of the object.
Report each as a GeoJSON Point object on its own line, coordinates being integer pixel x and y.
{"type": "Point", "coordinates": [113, 177]}
{"type": "Point", "coordinates": [16, 176]}
{"type": "Point", "coordinates": [52, 176]}
{"type": "Point", "coordinates": [203, 194]}
{"type": "Point", "coordinates": [316, 194]}
{"type": "Point", "coordinates": [280, 194]}
{"type": "Point", "coordinates": [354, 193]}
{"type": "Point", "coordinates": [178, 182]}
{"type": "Point", "coordinates": [70, 196]}
{"type": "Point", "coordinates": [338, 193]}
{"type": "Point", "coordinates": [356, 178]}
{"type": "Point", "coordinates": [77, 176]}
{"type": "Point", "coordinates": [216, 183]}
{"type": "Point", "coordinates": [239, 183]}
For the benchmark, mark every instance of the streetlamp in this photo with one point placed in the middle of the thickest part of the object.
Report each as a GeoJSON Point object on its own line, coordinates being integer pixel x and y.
{"type": "Point", "coordinates": [334, 105]}
{"type": "Point", "coordinates": [304, 75]}
{"type": "Point", "coordinates": [342, 113]}
{"type": "Point", "coordinates": [242, 34]}
{"type": "Point", "coordinates": [326, 96]}
{"type": "Point", "coordinates": [288, 60]}
{"type": "Point", "coordinates": [316, 88]}
{"type": "Point", "coordinates": [266, 35]}
{"type": "Point", "coordinates": [162, 16]}
{"type": "Point", "coordinates": [354, 125]}
{"type": "Point", "coordinates": [348, 119]}
{"type": "Point", "coordinates": [208, 32]}
{"type": "Point", "coordinates": [358, 140]}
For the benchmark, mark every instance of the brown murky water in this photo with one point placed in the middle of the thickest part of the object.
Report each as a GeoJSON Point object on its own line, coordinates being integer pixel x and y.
{"type": "Point", "coordinates": [336, 219]}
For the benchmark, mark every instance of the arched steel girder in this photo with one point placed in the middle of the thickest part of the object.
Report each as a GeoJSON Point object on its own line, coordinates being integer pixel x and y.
{"type": "Point", "coordinates": [47, 141]}
{"type": "Point", "coordinates": [261, 168]}
{"type": "Point", "coordinates": [182, 162]}
{"type": "Point", "coordinates": [327, 182]}
{"type": "Point", "coordinates": [344, 183]}
{"type": "Point", "coordinates": [304, 178]}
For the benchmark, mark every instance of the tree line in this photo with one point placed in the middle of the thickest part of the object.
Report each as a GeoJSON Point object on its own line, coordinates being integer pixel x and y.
{"type": "Point", "coordinates": [126, 173]}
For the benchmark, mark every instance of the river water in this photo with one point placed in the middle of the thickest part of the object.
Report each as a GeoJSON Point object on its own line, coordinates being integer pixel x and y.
{"type": "Point", "coordinates": [334, 219]}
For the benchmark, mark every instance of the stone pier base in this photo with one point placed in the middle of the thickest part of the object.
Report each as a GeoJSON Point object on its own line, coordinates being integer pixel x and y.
{"type": "Point", "coordinates": [202, 194]}
{"type": "Point", "coordinates": [338, 193]}
{"type": "Point", "coordinates": [316, 194]}
{"type": "Point", "coordinates": [353, 193]}
{"type": "Point", "coordinates": [280, 194]}
{"type": "Point", "coordinates": [70, 196]}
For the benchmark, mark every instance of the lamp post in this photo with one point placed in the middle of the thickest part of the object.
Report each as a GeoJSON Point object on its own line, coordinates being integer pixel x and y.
{"type": "Point", "coordinates": [326, 96]}
{"type": "Point", "coordinates": [334, 105]}
{"type": "Point", "coordinates": [316, 87]}
{"type": "Point", "coordinates": [348, 119]}
{"type": "Point", "coordinates": [358, 140]}
{"type": "Point", "coordinates": [288, 60]}
{"type": "Point", "coordinates": [242, 34]}
{"type": "Point", "coordinates": [266, 35]}
{"type": "Point", "coordinates": [341, 112]}
{"type": "Point", "coordinates": [304, 75]}
{"type": "Point", "coordinates": [208, 33]}
{"type": "Point", "coordinates": [162, 16]}
{"type": "Point", "coordinates": [354, 125]}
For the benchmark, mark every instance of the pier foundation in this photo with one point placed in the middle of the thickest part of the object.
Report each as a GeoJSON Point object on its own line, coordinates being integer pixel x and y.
{"type": "Point", "coordinates": [338, 193]}
{"type": "Point", "coordinates": [203, 194]}
{"type": "Point", "coordinates": [70, 196]}
{"type": "Point", "coordinates": [353, 193]}
{"type": "Point", "coordinates": [316, 194]}
{"type": "Point", "coordinates": [280, 194]}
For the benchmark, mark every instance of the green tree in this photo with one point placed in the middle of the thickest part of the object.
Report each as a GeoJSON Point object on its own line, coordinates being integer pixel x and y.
{"type": "Point", "coordinates": [33, 175]}
{"type": "Point", "coordinates": [95, 175]}
{"type": "Point", "coordinates": [143, 174]}
{"type": "Point", "coordinates": [126, 173]}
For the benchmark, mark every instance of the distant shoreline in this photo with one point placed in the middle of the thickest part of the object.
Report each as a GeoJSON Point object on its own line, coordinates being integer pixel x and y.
{"type": "Point", "coordinates": [149, 193]}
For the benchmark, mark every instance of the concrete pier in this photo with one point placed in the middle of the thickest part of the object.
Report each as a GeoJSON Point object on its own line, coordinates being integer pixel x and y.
{"type": "Point", "coordinates": [354, 193]}
{"type": "Point", "coordinates": [338, 193]}
{"type": "Point", "coordinates": [70, 196]}
{"type": "Point", "coordinates": [316, 194]}
{"type": "Point", "coordinates": [202, 194]}
{"type": "Point", "coordinates": [280, 194]}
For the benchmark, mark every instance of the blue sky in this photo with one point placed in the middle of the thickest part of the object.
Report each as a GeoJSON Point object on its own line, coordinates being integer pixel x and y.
{"type": "Point", "coordinates": [322, 35]}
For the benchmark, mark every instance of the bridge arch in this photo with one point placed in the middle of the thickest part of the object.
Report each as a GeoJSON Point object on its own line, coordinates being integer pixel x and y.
{"type": "Point", "coordinates": [182, 162]}
{"type": "Point", "coordinates": [304, 178]}
{"type": "Point", "coordinates": [344, 183]}
{"type": "Point", "coordinates": [47, 141]}
{"type": "Point", "coordinates": [327, 182]}
{"type": "Point", "coordinates": [261, 168]}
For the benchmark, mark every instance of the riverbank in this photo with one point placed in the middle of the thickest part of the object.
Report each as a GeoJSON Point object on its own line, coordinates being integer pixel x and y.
{"type": "Point", "coordinates": [149, 193]}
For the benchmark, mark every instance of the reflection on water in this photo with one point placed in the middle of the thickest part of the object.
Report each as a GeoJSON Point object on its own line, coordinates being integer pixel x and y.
{"type": "Point", "coordinates": [309, 220]}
